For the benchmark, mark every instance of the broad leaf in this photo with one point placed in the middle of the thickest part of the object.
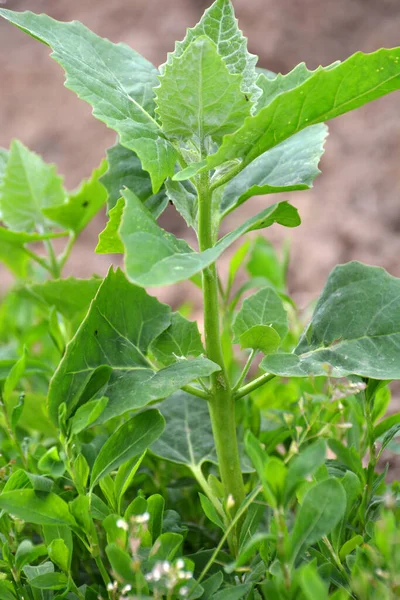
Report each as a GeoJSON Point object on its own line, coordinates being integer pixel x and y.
{"type": "Point", "coordinates": [27, 553]}
{"type": "Point", "coordinates": [111, 345]}
{"type": "Point", "coordinates": [290, 166]}
{"type": "Point", "coordinates": [180, 340]}
{"type": "Point", "coordinates": [131, 439]}
{"type": "Point", "coordinates": [125, 170]}
{"type": "Point", "coordinates": [81, 206]}
{"type": "Point", "coordinates": [220, 25]}
{"type": "Point", "coordinates": [262, 308]}
{"type": "Point", "coordinates": [198, 97]}
{"type": "Point", "coordinates": [29, 186]}
{"type": "Point", "coordinates": [328, 93]}
{"type": "Point", "coordinates": [114, 79]}
{"type": "Point", "coordinates": [163, 259]}
{"type": "Point", "coordinates": [50, 581]}
{"type": "Point", "coordinates": [273, 84]}
{"type": "Point", "coordinates": [260, 337]}
{"type": "Point", "coordinates": [355, 328]}
{"type": "Point", "coordinates": [36, 507]}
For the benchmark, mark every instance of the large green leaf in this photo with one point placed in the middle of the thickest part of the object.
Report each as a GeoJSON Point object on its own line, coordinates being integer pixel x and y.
{"type": "Point", "coordinates": [29, 186]}
{"type": "Point", "coordinates": [180, 340]}
{"type": "Point", "coordinates": [262, 308]}
{"type": "Point", "coordinates": [163, 259]}
{"type": "Point", "coordinates": [107, 355]}
{"type": "Point", "coordinates": [198, 97]}
{"type": "Point", "coordinates": [220, 25]}
{"type": "Point", "coordinates": [131, 439]}
{"type": "Point", "coordinates": [355, 328]}
{"type": "Point", "coordinates": [290, 166]}
{"type": "Point", "coordinates": [114, 79]}
{"type": "Point", "coordinates": [36, 507]}
{"type": "Point", "coordinates": [328, 93]}
{"type": "Point", "coordinates": [81, 206]}
{"type": "Point", "coordinates": [125, 170]}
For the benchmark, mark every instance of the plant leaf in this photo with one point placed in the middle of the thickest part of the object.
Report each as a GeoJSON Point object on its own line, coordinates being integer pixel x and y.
{"type": "Point", "coordinates": [273, 84]}
{"type": "Point", "coordinates": [164, 259]}
{"type": "Point", "coordinates": [29, 186]}
{"type": "Point", "coordinates": [87, 414]}
{"type": "Point", "coordinates": [260, 337]}
{"type": "Point", "coordinates": [114, 79]}
{"type": "Point", "coordinates": [109, 239]}
{"type": "Point", "coordinates": [115, 336]}
{"type": "Point", "coordinates": [183, 195]}
{"type": "Point", "coordinates": [129, 440]}
{"type": "Point", "coordinates": [219, 24]}
{"type": "Point", "coordinates": [125, 171]}
{"type": "Point", "coordinates": [304, 464]}
{"type": "Point", "coordinates": [181, 339]}
{"type": "Point", "coordinates": [50, 581]}
{"type": "Point", "coordinates": [328, 93]}
{"type": "Point", "coordinates": [262, 308]}
{"type": "Point", "coordinates": [36, 507]}
{"type": "Point", "coordinates": [355, 328]}
{"type": "Point", "coordinates": [81, 206]}
{"type": "Point", "coordinates": [198, 98]}
{"type": "Point", "coordinates": [289, 166]}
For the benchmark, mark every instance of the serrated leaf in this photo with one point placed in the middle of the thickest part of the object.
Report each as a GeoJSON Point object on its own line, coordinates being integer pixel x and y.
{"type": "Point", "coordinates": [125, 170]}
{"type": "Point", "coordinates": [81, 206]}
{"type": "Point", "coordinates": [129, 440]}
{"type": "Point", "coordinates": [273, 84]}
{"type": "Point", "coordinates": [109, 239]}
{"type": "Point", "coordinates": [114, 79]}
{"type": "Point", "coordinates": [36, 507]}
{"type": "Point", "coordinates": [260, 337]}
{"type": "Point", "coordinates": [355, 328]}
{"type": "Point", "coordinates": [328, 93]}
{"type": "Point", "coordinates": [220, 25]}
{"type": "Point", "coordinates": [290, 166]}
{"type": "Point", "coordinates": [116, 334]}
{"type": "Point", "coordinates": [262, 308]}
{"type": "Point", "coordinates": [163, 259]}
{"type": "Point", "coordinates": [198, 98]}
{"type": "Point", "coordinates": [181, 339]}
{"type": "Point", "coordinates": [29, 186]}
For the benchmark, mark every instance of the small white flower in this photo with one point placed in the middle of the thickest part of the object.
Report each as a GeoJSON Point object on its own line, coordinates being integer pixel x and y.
{"type": "Point", "coordinates": [144, 518]}
{"type": "Point", "coordinates": [184, 591]}
{"type": "Point", "coordinates": [126, 589]}
{"type": "Point", "coordinates": [180, 563]}
{"type": "Point", "coordinates": [166, 566]}
{"type": "Point", "coordinates": [122, 524]}
{"type": "Point", "coordinates": [230, 503]}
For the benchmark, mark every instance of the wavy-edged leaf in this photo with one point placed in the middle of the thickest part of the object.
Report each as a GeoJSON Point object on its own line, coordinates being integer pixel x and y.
{"type": "Point", "coordinates": [163, 259]}
{"type": "Point", "coordinates": [114, 337]}
{"type": "Point", "coordinates": [328, 93]}
{"type": "Point", "coordinates": [125, 170]}
{"type": "Point", "coordinates": [262, 308]}
{"type": "Point", "coordinates": [29, 186]}
{"type": "Point", "coordinates": [355, 328]}
{"type": "Point", "coordinates": [290, 166]}
{"type": "Point", "coordinates": [114, 79]}
{"type": "Point", "coordinates": [219, 24]}
{"type": "Point", "coordinates": [180, 340]}
{"type": "Point", "coordinates": [198, 98]}
{"type": "Point", "coordinates": [81, 206]}
{"type": "Point", "coordinates": [273, 84]}
{"type": "Point", "coordinates": [109, 239]}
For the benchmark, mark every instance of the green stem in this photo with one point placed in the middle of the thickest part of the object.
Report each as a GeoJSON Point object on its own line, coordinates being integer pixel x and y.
{"type": "Point", "coordinates": [37, 259]}
{"type": "Point", "coordinates": [245, 370]}
{"type": "Point", "coordinates": [222, 403]}
{"type": "Point", "coordinates": [67, 251]}
{"type": "Point", "coordinates": [190, 389]}
{"type": "Point", "coordinates": [253, 385]}
{"type": "Point", "coordinates": [55, 269]}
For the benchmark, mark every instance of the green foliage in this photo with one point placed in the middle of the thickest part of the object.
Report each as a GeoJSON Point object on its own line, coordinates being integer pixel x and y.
{"type": "Point", "coordinates": [144, 454]}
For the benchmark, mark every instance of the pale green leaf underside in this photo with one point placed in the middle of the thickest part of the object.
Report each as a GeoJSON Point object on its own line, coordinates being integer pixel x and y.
{"type": "Point", "coordinates": [114, 79]}
{"type": "Point", "coordinates": [328, 93]}
{"type": "Point", "coordinates": [198, 97]}
{"type": "Point", "coordinates": [164, 259]}
{"type": "Point", "coordinates": [81, 206]}
{"type": "Point", "coordinates": [220, 25]}
{"type": "Point", "coordinates": [180, 340]}
{"type": "Point", "coordinates": [290, 166]}
{"type": "Point", "coordinates": [262, 308]}
{"type": "Point", "coordinates": [355, 328]}
{"type": "Point", "coordinates": [125, 170]}
{"type": "Point", "coordinates": [29, 186]}
{"type": "Point", "coordinates": [122, 322]}
{"type": "Point", "coordinates": [183, 195]}
{"type": "Point", "coordinates": [261, 337]}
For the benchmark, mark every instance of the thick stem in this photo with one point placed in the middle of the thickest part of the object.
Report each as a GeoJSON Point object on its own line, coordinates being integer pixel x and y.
{"type": "Point", "coordinates": [222, 403]}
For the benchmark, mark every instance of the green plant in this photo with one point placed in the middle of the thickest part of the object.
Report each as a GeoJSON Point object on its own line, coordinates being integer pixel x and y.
{"type": "Point", "coordinates": [137, 462]}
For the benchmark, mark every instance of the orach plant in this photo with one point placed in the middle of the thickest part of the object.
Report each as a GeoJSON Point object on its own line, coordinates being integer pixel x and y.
{"type": "Point", "coordinates": [159, 467]}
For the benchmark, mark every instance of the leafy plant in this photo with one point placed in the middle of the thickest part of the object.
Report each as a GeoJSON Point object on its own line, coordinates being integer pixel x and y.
{"type": "Point", "coordinates": [139, 459]}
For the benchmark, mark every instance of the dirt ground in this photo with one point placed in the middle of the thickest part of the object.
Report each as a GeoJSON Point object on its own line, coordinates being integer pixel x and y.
{"type": "Point", "coordinates": [353, 212]}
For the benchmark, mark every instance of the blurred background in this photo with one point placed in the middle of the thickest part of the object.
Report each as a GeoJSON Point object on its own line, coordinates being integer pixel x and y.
{"type": "Point", "coordinates": [353, 211]}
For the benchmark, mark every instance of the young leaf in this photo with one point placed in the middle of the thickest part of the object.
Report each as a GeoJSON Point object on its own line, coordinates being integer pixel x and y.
{"type": "Point", "coordinates": [165, 259]}
{"type": "Point", "coordinates": [121, 563]}
{"type": "Point", "coordinates": [290, 166]}
{"type": "Point", "coordinates": [36, 507]}
{"type": "Point", "coordinates": [81, 206]}
{"type": "Point", "coordinates": [181, 339]}
{"type": "Point", "coordinates": [14, 376]}
{"type": "Point", "coordinates": [114, 79]}
{"type": "Point", "coordinates": [27, 553]}
{"type": "Point", "coordinates": [59, 554]}
{"type": "Point", "coordinates": [109, 239]}
{"type": "Point", "coordinates": [322, 508]}
{"type": "Point", "coordinates": [219, 24]}
{"type": "Point", "coordinates": [263, 308]}
{"type": "Point", "coordinates": [354, 328]}
{"type": "Point", "coordinates": [125, 171]}
{"type": "Point", "coordinates": [50, 581]}
{"type": "Point", "coordinates": [29, 186]}
{"type": "Point", "coordinates": [304, 464]}
{"type": "Point", "coordinates": [198, 98]}
{"type": "Point", "coordinates": [87, 414]}
{"type": "Point", "coordinates": [210, 511]}
{"type": "Point", "coordinates": [125, 476]}
{"type": "Point", "coordinates": [131, 439]}
{"type": "Point", "coordinates": [165, 547]}
{"type": "Point", "coordinates": [260, 337]}
{"type": "Point", "coordinates": [155, 507]}
{"type": "Point", "coordinates": [183, 195]}
{"type": "Point", "coordinates": [328, 93]}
